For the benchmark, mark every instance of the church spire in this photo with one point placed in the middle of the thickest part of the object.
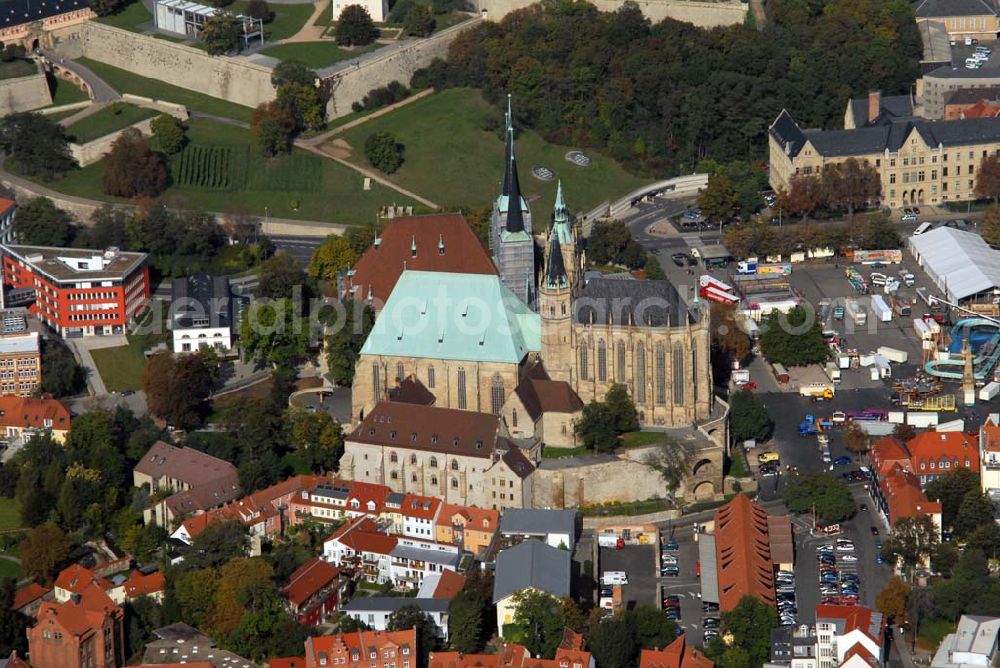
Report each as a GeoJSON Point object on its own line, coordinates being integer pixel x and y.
{"type": "Point", "coordinates": [562, 223]}
{"type": "Point", "coordinates": [511, 186]}
{"type": "Point", "coordinates": [555, 268]}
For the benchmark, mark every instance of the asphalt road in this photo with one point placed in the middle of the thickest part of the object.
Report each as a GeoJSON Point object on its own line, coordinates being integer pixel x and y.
{"type": "Point", "coordinates": [300, 248]}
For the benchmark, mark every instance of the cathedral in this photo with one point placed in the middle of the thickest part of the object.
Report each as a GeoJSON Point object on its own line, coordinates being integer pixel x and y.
{"type": "Point", "coordinates": [589, 332]}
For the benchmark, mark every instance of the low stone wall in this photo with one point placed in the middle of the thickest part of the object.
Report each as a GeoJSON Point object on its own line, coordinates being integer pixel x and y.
{"type": "Point", "coordinates": [80, 210]}
{"type": "Point", "coordinates": [74, 106]}
{"type": "Point", "coordinates": [93, 151]}
{"type": "Point", "coordinates": [351, 83]}
{"type": "Point", "coordinates": [24, 93]}
{"type": "Point", "coordinates": [287, 228]}
{"type": "Point", "coordinates": [175, 110]}
{"type": "Point", "coordinates": [648, 518]}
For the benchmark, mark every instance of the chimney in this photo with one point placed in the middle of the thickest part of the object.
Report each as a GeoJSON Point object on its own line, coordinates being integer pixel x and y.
{"type": "Point", "coordinates": [75, 598]}
{"type": "Point", "coordinates": [874, 105]}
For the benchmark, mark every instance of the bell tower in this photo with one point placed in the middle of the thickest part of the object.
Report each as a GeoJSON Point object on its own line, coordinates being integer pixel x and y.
{"type": "Point", "coordinates": [555, 294]}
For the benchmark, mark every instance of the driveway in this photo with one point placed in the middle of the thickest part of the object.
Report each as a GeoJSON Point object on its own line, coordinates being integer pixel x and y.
{"type": "Point", "coordinates": [82, 346]}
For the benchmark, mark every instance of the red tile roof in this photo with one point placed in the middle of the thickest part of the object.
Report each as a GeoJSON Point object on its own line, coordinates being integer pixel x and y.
{"type": "Point", "coordinates": [360, 642]}
{"type": "Point", "coordinates": [547, 396]}
{"type": "Point", "coordinates": [287, 662]}
{"type": "Point", "coordinates": [6, 204]}
{"type": "Point", "coordinates": [475, 518]}
{"type": "Point", "coordinates": [368, 492]}
{"type": "Point", "coordinates": [308, 579]}
{"type": "Point", "coordinates": [83, 617]}
{"type": "Point", "coordinates": [420, 507]}
{"type": "Point", "coordinates": [444, 242]}
{"type": "Point", "coordinates": [364, 536]}
{"type": "Point", "coordinates": [743, 553]}
{"type": "Point", "coordinates": [888, 452]}
{"type": "Point", "coordinates": [929, 450]}
{"type": "Point", "coordinates": [429, 428]}
{"type": "Point", "coordinates": [677, 654]}
{"type": "Point", "coordinates": [28, 594]}
{"type": "Point", "coordinates": [457, 660]}
{"type": "Point", "coordinates": [76, 578]}
{"type": "Point", "coordinates": [855, 617]}
{"type": "Point", "coordinates": [903, 495]}
{"type": "Point", "coordinates": [32, 413]}
{"type": "Point", "coordinates": [448, 586]}
{"type": "Point", "coordinates": [139, 584]}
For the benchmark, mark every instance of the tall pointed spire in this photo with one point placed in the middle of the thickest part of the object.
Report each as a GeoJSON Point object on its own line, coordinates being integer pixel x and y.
{"type": "Point", "coordinates": [555, 268]}
{"type": "Point", "coordinates": [511, 186]}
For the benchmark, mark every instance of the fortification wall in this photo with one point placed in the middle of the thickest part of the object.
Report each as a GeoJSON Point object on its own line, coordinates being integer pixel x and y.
{"type": "Point", "coordinates": [701, 14]}
{"type": "Point", "coordinates": [352, 82]}
{"type": "Point", "coordinates": [24, 93]}
{"type": "Point", "coordinates": [233, 79]}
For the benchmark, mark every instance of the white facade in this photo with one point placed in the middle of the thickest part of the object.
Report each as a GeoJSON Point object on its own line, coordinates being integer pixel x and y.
{"type": "Point", "coordinates": [405, 564]}
{"type": "Point", "coordinates": [418, 527]}
{"type": "Point", "coordinates": [974, 644]}
{"type": "Point", "coordinates": [375, 611]}
{"type": "Point", "coordinates": [377, 9]}
{"type": "Point", "coordinates": [195, 338]}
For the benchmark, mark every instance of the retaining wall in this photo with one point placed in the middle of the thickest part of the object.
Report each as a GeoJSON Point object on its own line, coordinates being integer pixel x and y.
{"type": "Point", "coordinates": [701, 14]}
{"type": "Point", "coordinates": [93, 151]}
{"type": "Point", "coordinates": [24, 93]}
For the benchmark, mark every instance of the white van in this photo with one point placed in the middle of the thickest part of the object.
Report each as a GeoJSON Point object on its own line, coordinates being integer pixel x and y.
{"type": "Point", "coordinates": [923, 227]}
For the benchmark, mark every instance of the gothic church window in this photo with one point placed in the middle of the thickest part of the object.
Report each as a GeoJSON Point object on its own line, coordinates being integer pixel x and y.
{"type": "Point", "coordinates": [584, 374]}
{"type": "Point", "coordinates": [461, 388]}
{"type": "Point", "coordinates": [496, 395]}
{"type": "Point", "coordinates": [620, 362]}
{"type": "Point", "coordinates": [640, 373]}
{"type": "Point", "coordinates": [678, 368]}
{"type": "Point", "coordinates": [602, 361]}
{"type": "Point", "coordinates": [661, 375]}
{"type": "Point", "coordinates": [430, 377]}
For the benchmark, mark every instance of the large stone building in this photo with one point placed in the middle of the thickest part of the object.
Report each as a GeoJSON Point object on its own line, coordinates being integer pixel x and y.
{"type": "Point", "coordinates": [30, 24]}
{"type": "Point", "coordinates": [918, 161]}
{"type": "Point", "coordinates": [962, 19]}
{"type": "Point", "coordinates": [454, 455]}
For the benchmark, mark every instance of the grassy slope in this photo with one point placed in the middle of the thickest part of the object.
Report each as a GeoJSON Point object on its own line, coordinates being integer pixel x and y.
{"type": "Point", "coordinates": [126, 82]}
{"type": "Point", "coordinates": [288, 19]}
{"type": "Point", "coordinates": [107, 120]}
{"type": "Point", "coordinates": [339, 197]}
{"type": "Point", "coordinates": [17, 68]}
{"type": "Point", "coordinates": [314, 54]}
{"type": "Point", "coordinates": [451, 160]}
{"type": "Point", "coordinates": [132, 18]}
{"type": "Point", "coordinates": [10, 514]}
{"type": "Point", "coordinates": [120, 368]}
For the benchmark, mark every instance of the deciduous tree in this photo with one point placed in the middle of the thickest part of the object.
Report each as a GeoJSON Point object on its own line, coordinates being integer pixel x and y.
{"type": "Point", "coordinates": [718, 200]}
{"type": "Point", "coordinates": [951, 489]}
{"type": "Point", "coordinates": [467, 612]}
{"type": "Point", "coordinates": [36, 146]}
{"type": "Point", "coordinates": [132, 168]}
{"type": "Point", "coordinates": [384, 152]}
{"type": "Point", "coordinates": [222, 33]}
{"type": "Point", "coordinates": [748, 417]}
{"type": "Point", "coordinates": [418, 22]}
{"type": "Point", "coordinates": [988, 179]}
{"type": "Point", "coordinates": [259, 9]}
{"type": "Point", "coordinates": [538, 622]}
{"type": "Point", "coordinates": [750, 624]}
{"type": "Point", "coordinates": [317, 437]}
{"type": "Point", "coordinates": [272, 331]}
{"type": "Point", "coordinates": [168, 132]}
{"type": "Point", "coordinates": [803, 196]}
{"type": "Point", "coordinates": [331, 257]}
{"type": "Point", "coordinates": [991, 227]}
{"type": "Point", "coordinates": [856, 438]}
{"type": "Point", "coordinates": [355, 27]}
{"type": "Point", "coordinates": [43, 552]}
{"type": "Point", "coordinates": [304, 101]}
{"type": "Point", "coordinates": [793, 339]}
{"type": "Point", "coordinates": [911, 541]}
{"type": "Point", "coordinates": [851, 184]}
{"type": "Point", "coordinates": [975, 510]}
{"type": "Point", "coordinates": [176, 388]}
{"type": "Point", "coordinates": [273, 126]}
{"type": "Point", "coordinates": [826, 496]}
{"type": "Point", "coordinates": [40, 222]}
{"type": "Point", "coordinates": [892, 600]}
{"type": "Point", "coordinates": [280, 277]}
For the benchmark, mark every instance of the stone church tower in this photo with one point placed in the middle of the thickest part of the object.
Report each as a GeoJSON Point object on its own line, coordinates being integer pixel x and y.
{"type": "Point", "coordinates": [511, 243]}
{"type": "Point", "coordinates": [555, 293]}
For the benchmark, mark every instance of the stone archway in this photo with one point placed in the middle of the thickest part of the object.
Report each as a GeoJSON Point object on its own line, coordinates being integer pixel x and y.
{"type": "Point", "coordinates": [703, 467]}
{"type": "Point", "coordinates": [704, 491]}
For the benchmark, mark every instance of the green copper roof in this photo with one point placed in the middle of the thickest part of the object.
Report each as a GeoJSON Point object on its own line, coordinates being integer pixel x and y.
{"type": "Point", "coordinates": [442, 315]}
{"type": "Point", "coordinates": [561, 220]}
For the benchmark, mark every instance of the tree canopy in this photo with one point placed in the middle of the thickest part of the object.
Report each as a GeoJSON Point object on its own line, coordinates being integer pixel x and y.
{"type": "Point", "coordinates": [793, 339]}
{"type": "Point", "coordinates": [40, 222]}
{"type": "Point", "coordinates": [35, 145]}
{"type": "Point", "coordinates": [828, 497]}
{"type": "Point", "coordinates": [132, 168]}
{"type": "Point", "coordinates": [355, 27]}
{"type": "Point", "coordinates": [748, 417]}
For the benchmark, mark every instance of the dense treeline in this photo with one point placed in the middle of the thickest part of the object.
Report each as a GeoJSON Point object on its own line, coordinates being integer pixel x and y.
{"type": "Point", "coordinates": [661, 97]}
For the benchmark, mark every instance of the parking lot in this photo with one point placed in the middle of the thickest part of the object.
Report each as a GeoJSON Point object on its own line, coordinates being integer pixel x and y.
{"type": "Point", "coordinates": [639, 563]}
{"type": "Point", "coordinates": [686, 585]}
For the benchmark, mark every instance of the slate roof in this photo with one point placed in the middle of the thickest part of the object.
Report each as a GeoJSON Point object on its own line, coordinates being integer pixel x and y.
{"type": "Point", "coordinates": [517, 462]}
{"type": "Point", "coordinates": [643, 303]}
{"type": "Point", "coordinates": [537, 522]}
{"type": "Point", "coordinates": [890, 107]}
{"type": "Point", "coordinates": [879, 138]}
{"type": "Point", "coordinates": [547, 396]}
{"type": "Point", "coordinates": [16, 12]}
{"type": "Point", "coordinates": [443, 315]}
{"type": "Point", "coordinates": [200, 300]}
{"type": "Point", "coordinates": [940, 8]}
{"type": "Point", "coordinates": [531, 564]}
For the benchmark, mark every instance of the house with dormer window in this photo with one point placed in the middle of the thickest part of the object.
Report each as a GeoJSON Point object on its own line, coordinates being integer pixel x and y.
{"type": "Point", "coordinates": [363, 649]}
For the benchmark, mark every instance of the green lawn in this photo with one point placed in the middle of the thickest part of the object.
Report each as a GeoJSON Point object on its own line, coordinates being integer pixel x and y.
{"type": "Point", "coordinates": [288, 19]}
{"type": "Point", "coordinates": [638, 439]}
{"type": "Point", "coordinates": [134, 18]}
{"type": "Point", "coordinates": [451, 160]}
{"type": "Point", "coordinates": [10, 569]}
{"type": "Point", "coordinates": [314, 54]}
{"type": "Point", "coordinates": [63, 92]}
{"type": "Point", "coordinates": [10, 514]}
{"type": "Point", "coordinates": [301, 185]}
{"type": "Point", "coordinates": [121, 368]}
{"type": "Point", "coordinates": [933, 631]}
{"type": "Point", "coordinates": [62, 114]}
{"type": "Point", "coordinates": [17, 68]}
{"type": "Point", "coordinates": [112, 117]}
{"type": "Point", "coordinates": [126, 82]}
{"type": "Point", "coordinates": [738, 465]}
{"type": "Point", "coordinates": [625, 508]}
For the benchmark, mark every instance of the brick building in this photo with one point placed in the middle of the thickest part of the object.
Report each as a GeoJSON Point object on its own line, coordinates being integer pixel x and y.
{"type": "Point", "coordinates": [83, 632]}
{"type": "Point", "coordinates": [313, 592]}
{"type": "Point", "coordinates": [76, 291]}
{"type": "Point", "coordinates": [360, 649]}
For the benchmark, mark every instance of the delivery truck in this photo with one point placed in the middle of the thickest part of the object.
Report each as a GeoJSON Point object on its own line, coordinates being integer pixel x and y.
{"type": "Point", "coordinates": [856, 313]}
{"type": "Point", "coordinates": [893, 354]}
{"type": "Point", "coordinates": [882, 311]}
{"type": "Point", "coordinates": [832, 372]}
{"type": "Point", "coordinates": [988, 392]}
{"type": "Point", "coordinates": [818, 391]}
{"type": "Point", "coordinates": [922, 420]}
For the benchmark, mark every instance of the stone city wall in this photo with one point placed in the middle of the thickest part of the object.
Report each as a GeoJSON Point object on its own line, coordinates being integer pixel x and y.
{"type": "Point", "coordinates": [596, 480]}
{"type": "Point", "coordinates": [93, 151]}
{"type": "Point", "coordinates": [701, 14]}
{"type": "Point", "coordinates": [234, 79]}
{"type": "Point", "coordinates": [24, 93]}
{"type": "Point", "coordinates": [351, 83]}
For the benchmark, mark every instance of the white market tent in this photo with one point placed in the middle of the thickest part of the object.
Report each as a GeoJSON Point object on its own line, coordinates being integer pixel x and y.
{"type": "Point", "coordinates": [960, 263]}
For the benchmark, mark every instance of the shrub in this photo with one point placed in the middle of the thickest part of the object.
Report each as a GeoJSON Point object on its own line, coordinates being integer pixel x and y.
{"type": "Point", "coordinates": [383, 152]}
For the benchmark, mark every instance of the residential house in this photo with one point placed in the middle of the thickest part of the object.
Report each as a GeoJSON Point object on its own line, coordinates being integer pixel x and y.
{"type": "Point", "coordinates": [201, 313]}
{"type": "Point", "coordinates": [543, 409]}
{"type": "Point", "coordinates": [677, 654]}
{"type": "Point", "coordinates": [972, 103]}
{"type": "Point", "coordinates": [473, 528]}
{"type": "Point", "coordinates": [183, 481]}
{"type": "Point", "coordinates": [455, 455]}
{"type": "Point", "coordinates": [418, 514]}
{"type": "Point", "coordinates": [531, 565]}
{"type": "Point", "coordinates": [83, 632]}
{"type": "Point", "coordinates": [151, 584]}
{"type": "Point", "coordinates": [850, 637]}
{"type": "Point", "coordinates": [974, 643]}
{"type": "Point", "coordinates": [361, 548]}
{"type": "Point", "coordinates": [313, 592]}
{"type": "Point", "coordinates": [897, 494]}
{"type": "Point", "coordinates": [435, 242]}
{"type": "Point", "coordinates": [569, 654]}
{"type": "Point", "coordinates": [444, 585]}
{"type": "Point", "coordinates": [23, 417]}
{"type": "Point", "coordinates": [360, 649]}
{"type": "Point", "coordinates": [20, 353]}
{"type": "Point", "coordinates": [375, 611]}
{"type": "Point", "coordinates": [933, 454]}
{"type": "Point", "coordinates": [75, 578]}
{"type": "Point", "coordinates": [794, 646]}
{"type": "Point", "coordinates": [554, 527]}
{"type": "Point", "coordinates": [29, 598]}
{"type": "Point", "coordinates": [185, 645]}
{"type": "Point", "coordinates": [989, 457]}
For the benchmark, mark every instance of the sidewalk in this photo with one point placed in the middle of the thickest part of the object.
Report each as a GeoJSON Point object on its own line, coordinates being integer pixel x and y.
{"type": "Point", "coordinates": [81, 348]}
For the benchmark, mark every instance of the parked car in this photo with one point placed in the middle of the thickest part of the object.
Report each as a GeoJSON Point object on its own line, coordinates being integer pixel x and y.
{"type": "Point", "coordinates": [709, 607]}
{"type": "Point", "coordinates": [670, 571]}
{"type": "Point", "coordinates": [680, 259]}
{"type": "Point", "coordinates": [710, 634]}
{"type": "Point", "coordinates": [909, 217]}
{"type": "Point", "coordinates": [848, 558]}
{"type": "Point", "coordinates": [671, 546]}
{"type": "Point", "coordinates": [668, 559]}
{"type": "Point", "coordinates": [711, 623]}
{"type": "Point", "coordinates": [841, 461]}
